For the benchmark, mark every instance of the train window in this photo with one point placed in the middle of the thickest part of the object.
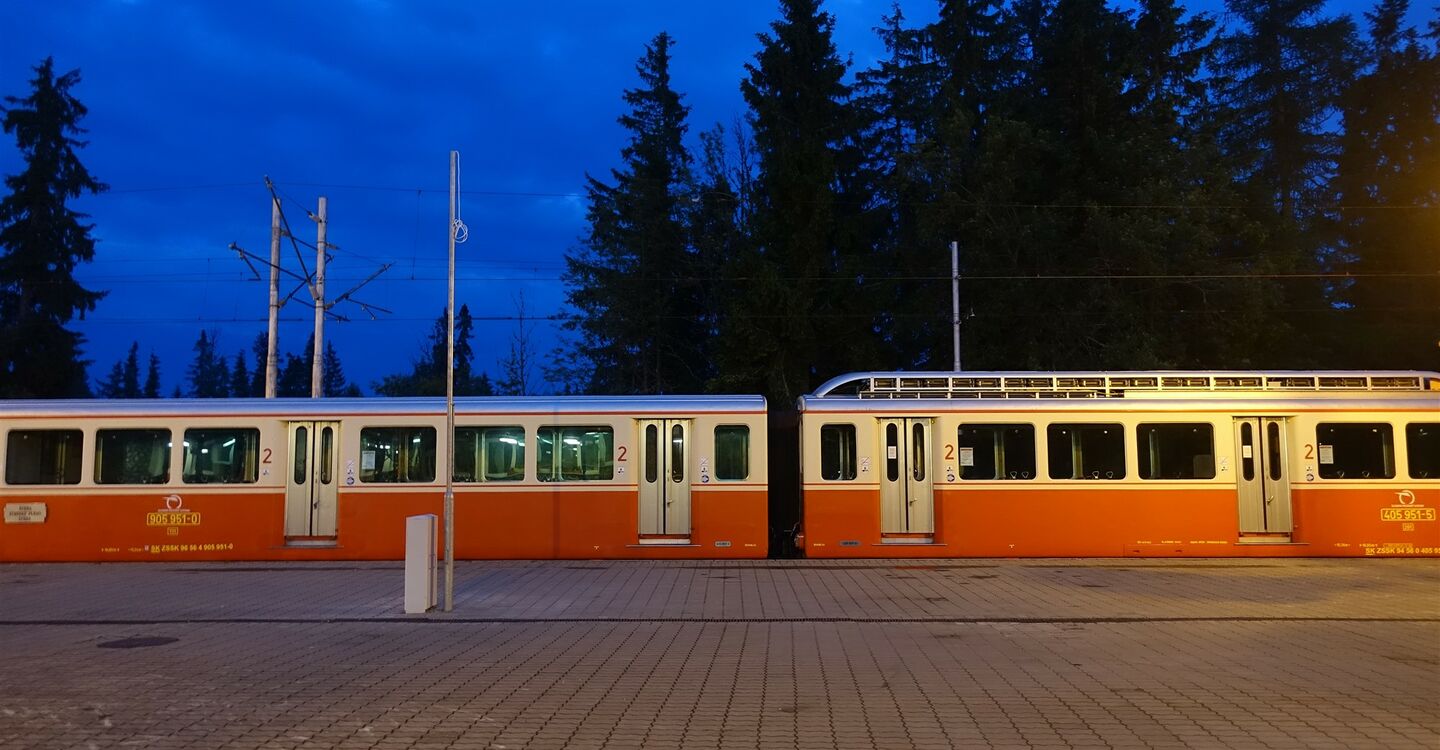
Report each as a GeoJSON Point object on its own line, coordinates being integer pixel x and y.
{"type": "Point", "coordinates": [652, 453]}
{"type": "Point", "coordinates": [1176, 451]}
{"type": "Point", "coordinates": [1361, 450]}
{"type": "Point", "coordinates": [1247, 451]}
{"type": "Point", "coordinates": [1087, 451]}
{"type": "Point", "coordinates": [1273, 463]}
{"type": "Point", "coordinates": [892, 452]}
{"type": "Point", "coordinates": [489, 454]}
{"type": "Point", "coordinates": [221, 456]}
{"type": "Point", "coordinates": [132, 456]}
{"type": "Point", "coordinates": [677, 454]}
{"type": "Point", "coordinates": [302, 454]}
{"type": "Point", "coordinates": [575, 454]}
{"type": "Point", "coordinates": [917, 452]}
{"type": "Point", "coordinates": [45, 457]}
{"type": "Point", "coordinates": [732, 452]}
{"type": "Point", "coordinates": [397, 454]}
{"type": "Point", "coordinates": [996, 451]}
{"type": "Point", "coordinates": [1424, 451]}
{"type": "Point", "coordinates": [837, 451]}
{"type": "Point", "coordinates": [327, 452]}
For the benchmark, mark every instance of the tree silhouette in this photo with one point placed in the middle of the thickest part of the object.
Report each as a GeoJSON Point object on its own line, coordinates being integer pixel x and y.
{"type": "Point", "coordinates": [43, 240]}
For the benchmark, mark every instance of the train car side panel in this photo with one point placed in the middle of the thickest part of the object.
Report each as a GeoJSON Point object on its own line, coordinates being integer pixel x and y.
{"type": "Point", "coordinates": [1368, 521]}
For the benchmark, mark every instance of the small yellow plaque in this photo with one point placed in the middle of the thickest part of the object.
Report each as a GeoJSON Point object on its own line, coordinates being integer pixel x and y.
{"type": "Point", "coordinates": [172, 518]}
{"type": "Point", "coordinates": [1407, 514]}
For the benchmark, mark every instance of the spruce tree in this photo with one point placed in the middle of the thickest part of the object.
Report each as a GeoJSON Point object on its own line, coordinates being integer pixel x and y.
{"type": "Point", "coordinates": [293, 379]}
{"type": "Point", "coordinates": [427, 374]}
{"type": "Point", "coordinates": [124, 378]}
{"type": "Point", "coordinates": [113, 386]}
{"type": "Point", "coordinates": [130, 378]}
{"type": "Point", "coordinates": [152, 378]}
{"type": "Point", "coordinates": [240, 380]}
{"type": "Point", "coordinates": [1283, 70]}
{"type": "Point", "coordinates": [260, 347]}
{"type": "Point", "coordinates": [42, 240]}
{"type": "Point", "coordinates": [634, 283]}
{"type": "Point", "coordinates": [898, 104]}
{"type": "Point", "coordinates": [801, 315]}
{"type": "Point", "coordinates": [719, 223]}
{"type": "Point", "coordinates": [1386, 185]}
{"type": "Point", "coordinates": [1077, 153]}
{"type": "Point", "coordinates": [464, 352]}
{"type": "Point", "coordinates": [333, 382]}
{"type": "Point", "coordinates": [208, 374]}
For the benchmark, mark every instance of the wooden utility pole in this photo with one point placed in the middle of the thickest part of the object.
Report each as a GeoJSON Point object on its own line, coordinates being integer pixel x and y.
{"type": "Point", "coordinates": [280, 227]}
{"type": "Point", "coordinates": [272, 331]}
{"type": "Point", "coordinates": [317, 366]}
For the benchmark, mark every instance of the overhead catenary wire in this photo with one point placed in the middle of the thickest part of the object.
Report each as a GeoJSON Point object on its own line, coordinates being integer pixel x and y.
{"type": "Point", "coordinates": [1032, 205]}
{"type": "Point", "coordinates": [564, 317]}
{"type": "Point", "coordinates": [868, 278]}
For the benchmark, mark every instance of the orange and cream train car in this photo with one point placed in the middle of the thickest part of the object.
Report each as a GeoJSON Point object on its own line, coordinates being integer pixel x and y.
{"type": "Point", "coordinates": [1122, 464]}
{"type": "Point", "coordinates": [636, 477]}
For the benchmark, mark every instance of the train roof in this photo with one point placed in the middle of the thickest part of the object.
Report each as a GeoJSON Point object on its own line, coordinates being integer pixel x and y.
{"type": "Point", "coordinates": [1146, 384]}
{"type": "Point", "coordinates": [1349, 403]}
{"type": "Point", "coordinates": [426, 405]}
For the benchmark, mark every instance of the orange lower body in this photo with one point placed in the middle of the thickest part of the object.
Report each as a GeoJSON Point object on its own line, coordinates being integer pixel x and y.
{"type": "Point", "coordinates": [1121, 523]}
{"type": "Point", "coordinates": [371, 526]}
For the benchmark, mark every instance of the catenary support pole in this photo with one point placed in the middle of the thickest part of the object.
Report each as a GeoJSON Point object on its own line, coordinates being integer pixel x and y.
{"type": "Point", "coordinates": [955, 298]}
{"type": "Point", "coordinates": [317, 354]}
{"type": "Point", "coordinates": [272, 331]}
{"type": "Point", "coordinates": [450, 400]}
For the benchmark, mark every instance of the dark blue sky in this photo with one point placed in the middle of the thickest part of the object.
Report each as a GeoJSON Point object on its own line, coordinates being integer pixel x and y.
{"type": "Point", "coordinates": [192, 103]}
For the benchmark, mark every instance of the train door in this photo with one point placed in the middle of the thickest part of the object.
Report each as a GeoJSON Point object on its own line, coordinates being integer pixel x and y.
{"type": "Point", "coordinates": [907, 483]}
{"type": "Point", "coordinates": [664, 480]}
{"type": "Point", "coordinates": [1263, 476]}
{"type": "Point", "coordinates": [311, 482]}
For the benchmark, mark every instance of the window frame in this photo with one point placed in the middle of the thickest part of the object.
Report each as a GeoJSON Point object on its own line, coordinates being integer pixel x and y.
{"type": "Point", "coordinates": [553, 474]}
{"type": "Point", "coordinates": [848, 449]}
{"type": "Point", "coordinates": [744, 430]}
{"type": "Point", "coordinates": [98, 448]}
{"type": "Point", "coordinates": [79, 455]}
{"type": "Point", "coordinates": [998, 429]}
{"type": "Point", "coordinates": [1410, 451]}
{"type": "Point", "coordinates": [1142, 451]}
{"type": "Point", "coordinates": [253, 459]}
{"type": "Point", "coordinates": [481, 474]}
{"type": "Point", "coordinates": [1387, 446]}
{"type": "Point", "coordinates": [1084, 428]}
{"type": "Point", "coordinates": [411, 430]}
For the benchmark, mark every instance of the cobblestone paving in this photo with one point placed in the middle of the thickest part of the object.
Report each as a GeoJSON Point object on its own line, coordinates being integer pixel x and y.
{"type": "Point", "coordinates": [1059, 653]}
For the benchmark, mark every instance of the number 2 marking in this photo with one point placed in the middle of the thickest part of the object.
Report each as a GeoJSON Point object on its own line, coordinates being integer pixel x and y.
{"type": "Point", "coordinates": [949, 453]}
{"type": "Point", "coordinates": [266, 459]}
{"type": "Point", "coordinates": [1309, 451]}
{"type": "Point", "coordinates": [622, 454]}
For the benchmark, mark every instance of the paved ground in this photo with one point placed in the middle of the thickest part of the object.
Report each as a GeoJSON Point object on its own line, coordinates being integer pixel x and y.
{"type": "Point", "coordinates": [1061, 653]}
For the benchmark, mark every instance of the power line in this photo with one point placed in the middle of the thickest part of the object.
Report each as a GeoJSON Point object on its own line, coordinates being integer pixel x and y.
{"type": "Point", "coordinates": [865, 278]}
{"type": "Point", "coordinates": [493, 193]}
{"type": "Point", "coordinates": [563, 317]}
{"type": "Point", "coordinates": [172, 188]}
